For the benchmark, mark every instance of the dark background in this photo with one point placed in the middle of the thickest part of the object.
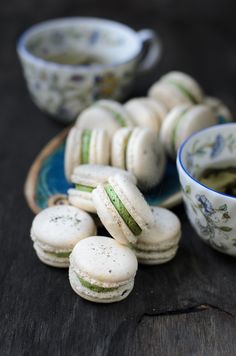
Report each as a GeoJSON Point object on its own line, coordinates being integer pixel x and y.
{"type": "Point", "coordinates": [186, 307]}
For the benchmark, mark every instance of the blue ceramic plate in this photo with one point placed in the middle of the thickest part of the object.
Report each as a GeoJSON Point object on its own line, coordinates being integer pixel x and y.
{"type": "Point", "coordinates": [46, 184]}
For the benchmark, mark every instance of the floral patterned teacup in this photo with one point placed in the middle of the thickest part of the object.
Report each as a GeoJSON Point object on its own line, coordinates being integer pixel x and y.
{"type": "Point", "coordinates": [212, 214]}
{"type": "Point", "coordinates": [70, 63]}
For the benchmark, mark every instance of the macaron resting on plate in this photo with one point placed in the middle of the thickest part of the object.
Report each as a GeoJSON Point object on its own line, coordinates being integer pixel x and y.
{"type": "Point", "coordinates": [146, 112]}
{"type": "Point", "coordinates": [86, 146]}
{"type": "Point", "coordinates": [139, 151]}
{"type": "Point", "coordinates": [181, 122]}
{"type": "Point", "coordinates": [159, 244]}
{"type": "Point", "coordinates": [101, 270]}
{"type": "Point", "coordinates": [56, 230]}
{"type": "Point", "coordinates": [176, 88]}
{"type": "Point", "coordinates": [107, 114]}
{"type": "Point", "coordinates": [86, 177]}
{"type": "Point", "coordinates": [122, 209]}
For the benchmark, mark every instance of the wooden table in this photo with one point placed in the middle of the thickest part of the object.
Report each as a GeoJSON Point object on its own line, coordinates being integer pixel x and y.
{"type": "Point", "coordinates": [186, 307]}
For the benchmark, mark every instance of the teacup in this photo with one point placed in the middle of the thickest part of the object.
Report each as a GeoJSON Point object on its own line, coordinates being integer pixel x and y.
{"type": "Point", "coordinates": [212, 214]}
{"type": "Point", "coordinates": [70, 63]}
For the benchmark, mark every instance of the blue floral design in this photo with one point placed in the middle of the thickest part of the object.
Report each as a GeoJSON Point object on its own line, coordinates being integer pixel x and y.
{"type": "Point", "coordinates": [94, 37]}
{"type": "Point", "coordinates": [206, 204]}
{"type": "Point", "coordinates": [213, 226]}
{"type": "Point", "coordinates": [218, 146]}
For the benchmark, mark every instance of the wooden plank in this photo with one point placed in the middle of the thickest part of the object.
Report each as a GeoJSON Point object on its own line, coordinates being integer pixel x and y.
{"type": "Point", "coordinates": [209, 332]}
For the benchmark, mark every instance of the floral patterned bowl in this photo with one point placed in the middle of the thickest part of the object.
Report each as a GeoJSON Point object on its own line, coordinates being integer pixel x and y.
{"type": "Point", "coordinates": [212, 214]}
{"type": "Point", "coordinates": [63, 90]}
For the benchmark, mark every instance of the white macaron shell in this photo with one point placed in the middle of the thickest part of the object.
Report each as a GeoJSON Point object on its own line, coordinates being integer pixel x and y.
{"type": "Point", "coordinates": [143, 114]}
{"type": "Point", "coordinates": [158, 107]}
{"type": "Point", "coordinates": [169, 94]}
{"type": "Point", "coordinates": [133, 200]}
{"type": "Point", "coordinates": [156, 257]}
{"type": "Point", "coordinates": [118, 149]}
{"type": "Point", "coordinates": [110, 218]}
{"type": "Point", "coordinates": [187, 82]}
{"type": "Point", "coordinates": [103, 261]}
{"type": "Point", "coordinates": [50, 259]}
{"type": "Point", "coordinates": [196, 118]}
{"type": "Point", "coordinates": [61, 227]}
{"type": "Point", "coordinates": [97, 117]}
{"type": "Point", "coordinates": [99, 148]}
{"type": "Point", "coordinates": [145, 157]}
{"type": "Point", "coordinates": [116, 107]}
{"type": "Point", "coordinates": [168, 127]}
{"type": "Point", "coordinates": [165, 232]}
{"type": "Point", "coordinates": [72, 151]}
{"type": "Point", "coordinates": [93, 174]}
{"type": "Point", "coordinates": [120, 292]}
{"type": "Point", "coordinates": [81, 199]}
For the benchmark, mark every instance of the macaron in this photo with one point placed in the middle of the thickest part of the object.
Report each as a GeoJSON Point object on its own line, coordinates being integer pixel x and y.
{"type": "Point", "coordinates": [86, 178]}
{"type": "Point", "coordinates": [122, 209]}
{"type": "Point", "coordinates": [107, 114]}
{"type": "Point", "coordinates": [219, 109]}
{"type": "Point", "coordinates": [181, 122]}
{"type": "Point", "coordinates": [176, 88]}
{"type": "Point", "coordinates": [86, 146]}
{"type": "Point", "coordinates": [146, 112]}
{"type": "Point", "coordinates": [101, 270]}
{"type": "Point", "coordinates": [56, 230]}
{"type": "Point", "coordinates": [160, 243]}
{"type": "Point", "coordinates": [141, 152]}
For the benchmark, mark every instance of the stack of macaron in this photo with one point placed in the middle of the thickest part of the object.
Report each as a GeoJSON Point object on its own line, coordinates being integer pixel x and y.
{"type": "Point", "coordinates": [105, 134]}
{"type": "Point", "coordinates": [102, 268]}
{"type": "Point", "coordinates": [188, 109]}
{"type": "Point", "coordinates": [158, 112]}
{"type": "Point", "coordinates": [112, 154]}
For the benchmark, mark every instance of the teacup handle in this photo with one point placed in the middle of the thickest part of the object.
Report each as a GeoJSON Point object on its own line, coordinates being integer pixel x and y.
{"type": "Point", "coordinates": [149, 39]}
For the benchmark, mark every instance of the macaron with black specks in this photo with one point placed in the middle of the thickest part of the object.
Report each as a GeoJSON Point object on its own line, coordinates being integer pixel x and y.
{"type": "Point", "coordinates": [86, 178]}
{"type": "Point", "coordinates": [219, 109]}
{"type": "Point", "coordinates": [107, 114]}
{"type": "Point", "coordinates": [56, 230]}
{"type": "Point", "coordinates": [181, 122]}
{"type": "Point", "coordinates": [101, 270]}
{"type": "Point", "coordinates": [86, 146]}
{"type": "Point", "coordinates": [176, 88]}
{"type": "Point", "coordinates": [146, 112]}
{"type": "Point", "coordinates": [141, 152]}
{"type": "Point", "coordinates": [160, 243]}
{"type": "Point", "coordinates": [122, 209]}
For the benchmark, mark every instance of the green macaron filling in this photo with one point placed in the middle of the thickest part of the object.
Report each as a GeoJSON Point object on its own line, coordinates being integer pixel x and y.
{"type": "Point", "coordinates": [84, 188]}
{"type": "Point", "coordinates": [184, 91]}
{"type": "Point", "coordinates": [58, 254]}
{"type": "Point", "coordinates": [122, 211]}
{"type": "Point", "coordinates": [85, 146]}
{"type": "Point", "coordinates": [117, 116]}
{"type": "Point", "coordinates": [95, 288]}
{"type": "Point", "coordinates": [149, 251]}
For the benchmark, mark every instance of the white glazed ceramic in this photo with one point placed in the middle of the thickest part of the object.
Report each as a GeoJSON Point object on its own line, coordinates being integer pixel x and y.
{"type": "Point", "coordinates": [212, 214]}
{"type": "Point", "coordinates": [64, 90]}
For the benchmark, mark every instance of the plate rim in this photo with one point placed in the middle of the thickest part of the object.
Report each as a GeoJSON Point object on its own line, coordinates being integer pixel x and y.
{"type": "Point", "coordinates": [32, 175]}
